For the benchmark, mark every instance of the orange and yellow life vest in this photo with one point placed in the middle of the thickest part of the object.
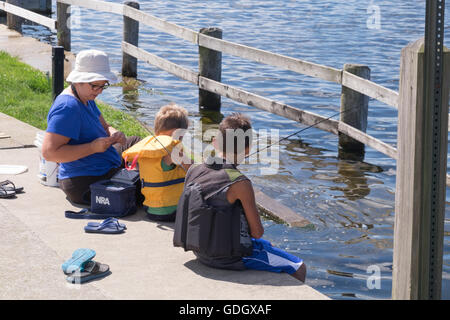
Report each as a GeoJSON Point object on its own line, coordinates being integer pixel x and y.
{"type": "Point", "coordinates": [160, 188]}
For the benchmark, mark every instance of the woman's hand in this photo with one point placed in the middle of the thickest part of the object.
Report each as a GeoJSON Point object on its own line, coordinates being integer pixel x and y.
{"type": "Point", "coordinates": [55, 148]}
{"type": "Point", "coordinates": [119, 137]}
{"type": "Point", "coordinates": [101, 144]}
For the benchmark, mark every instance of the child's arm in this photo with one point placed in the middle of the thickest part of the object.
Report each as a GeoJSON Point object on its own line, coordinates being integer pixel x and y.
{"type": "Point", "coordinates": [185, 162]}
{"type": "Point", "coordinates": [181, 159]}
{"type": "Point", "coordinates": [243, 191]}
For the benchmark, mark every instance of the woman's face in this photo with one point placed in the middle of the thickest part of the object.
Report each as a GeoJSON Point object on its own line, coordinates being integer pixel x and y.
{"type": "Point", "coordinates": [91, 90]}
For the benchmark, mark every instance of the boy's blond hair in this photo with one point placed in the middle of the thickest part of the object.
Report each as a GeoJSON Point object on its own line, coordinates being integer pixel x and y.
{"type": "Point", "coordinates": [171, 117]}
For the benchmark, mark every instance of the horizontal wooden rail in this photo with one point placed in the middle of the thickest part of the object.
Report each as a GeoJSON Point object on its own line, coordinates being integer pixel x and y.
{"type": "Point", "coordinates": [262, 103]}
{"type": "Point", "coordinates": [368, 140]}
{"type": "Point", "coordinates": [233, 93]}
{"type": "Point", "coordinates": [370, 89]}
{"type": "Point", "coordinates": [161, 63]}
{"type": "Point", "coordinates": [356, 83]}
{"type": "Point", "coordinates": [161, 25]}
{"type": "Point", "coordinates": [273, 59]}
{"type": "Point", "coordinates": [96, 5]}
{"type": "Point", "coordinates": [29, 15]}
{"type": "Point", "coordinates": [251, 99]}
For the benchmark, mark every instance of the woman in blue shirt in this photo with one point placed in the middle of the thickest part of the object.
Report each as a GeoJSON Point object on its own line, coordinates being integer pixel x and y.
{"type": "Point", "coordinates": [77, 136]}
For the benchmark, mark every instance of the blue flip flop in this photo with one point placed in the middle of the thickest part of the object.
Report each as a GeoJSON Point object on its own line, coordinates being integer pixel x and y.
{"type": "Point", "coordinates": [97, 224]}
{"type": "Point", "coordinates": [106, 227]}
{"type": "Point", "coordinates": [92, 270]}
{"type": "Point", "coordinates": [77, 261]}
{"type": "Point", "coordinates": [84, 213]}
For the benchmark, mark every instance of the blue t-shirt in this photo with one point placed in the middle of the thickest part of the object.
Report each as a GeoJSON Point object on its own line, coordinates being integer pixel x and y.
{"type": "Point", "coordinates": [71, 118]}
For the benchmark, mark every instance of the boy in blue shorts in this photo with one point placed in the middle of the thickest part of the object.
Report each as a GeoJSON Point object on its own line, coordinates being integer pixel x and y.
{"type": "Point", "coordinates": [217, 217]}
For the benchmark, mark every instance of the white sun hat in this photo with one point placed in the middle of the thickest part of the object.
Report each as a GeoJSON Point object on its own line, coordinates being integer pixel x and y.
{"type": "Point", "coordinates": [91, 65]}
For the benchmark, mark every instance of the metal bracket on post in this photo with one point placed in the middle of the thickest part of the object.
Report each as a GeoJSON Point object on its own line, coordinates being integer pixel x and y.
{"type": "Point", "coordinates": [57, 71]}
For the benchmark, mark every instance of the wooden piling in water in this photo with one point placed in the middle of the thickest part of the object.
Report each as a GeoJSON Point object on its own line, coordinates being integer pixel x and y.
{"type": "Point", "coordinates": [130, 35]}
{"type": "Point", "coordinates": [210, 66]}
{"type": "Point", "coordinates": [63, 12]}
{"type": "Point", "coordinates": [12, 21]}
{"type": "Point", "coordinates": [417, 264]}
{"type": "Point", "coordinates": [354, 112]}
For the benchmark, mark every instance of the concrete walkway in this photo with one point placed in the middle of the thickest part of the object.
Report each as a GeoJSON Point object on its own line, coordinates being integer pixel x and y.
{"type": "Point", "coordinates": [31, 51]}
{"type": "Point", "coordinates": [36, 238]}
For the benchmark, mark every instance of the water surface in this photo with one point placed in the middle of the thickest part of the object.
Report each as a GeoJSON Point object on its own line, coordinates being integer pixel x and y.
{"type": "Point", "coordinates": [350, 203]}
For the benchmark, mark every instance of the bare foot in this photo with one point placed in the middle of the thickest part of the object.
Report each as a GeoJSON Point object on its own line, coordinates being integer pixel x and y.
{"type": "Point", "coordinates": [300, 274]}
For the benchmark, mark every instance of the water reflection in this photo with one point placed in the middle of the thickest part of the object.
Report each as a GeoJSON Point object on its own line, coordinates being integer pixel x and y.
{"type": "Point", "coordinates": [351, 204]}
{"type": "Point", "coordinates": [130, 93]}
{"type": "Point", "coordinates": [352, 174]}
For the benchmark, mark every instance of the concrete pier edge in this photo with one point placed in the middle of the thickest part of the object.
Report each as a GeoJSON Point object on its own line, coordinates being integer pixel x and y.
{"type": "Point", "coordinates": [37, 238]}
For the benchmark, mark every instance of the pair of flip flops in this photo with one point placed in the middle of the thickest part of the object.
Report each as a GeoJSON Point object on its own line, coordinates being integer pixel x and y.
{"type": "Point", "coordinates": [107, 226]}
{"type": "Point", "coordinates": [80, 268]}
{"type": "Point", "coordinates": [8, 189]}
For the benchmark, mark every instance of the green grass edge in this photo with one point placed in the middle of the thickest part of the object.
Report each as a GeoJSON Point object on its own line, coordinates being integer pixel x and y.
{"type": "Point", "coordinates": [26, 94]}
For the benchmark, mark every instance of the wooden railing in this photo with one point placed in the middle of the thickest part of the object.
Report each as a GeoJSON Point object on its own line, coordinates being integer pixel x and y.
{"type": "Point", "coordinates": [413, 139]}
{"type": "Point", "coordinates": [29, 15]}
{"type": "Point", "coordinates": [342, 77]}
{"type": "Point", "coordinates": [346, 79]}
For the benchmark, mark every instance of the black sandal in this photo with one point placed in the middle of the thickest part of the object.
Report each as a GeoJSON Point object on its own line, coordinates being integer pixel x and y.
{"type": "Point", "coordinates": [92, 270]}
{"type": "Point", "coordinates": [5, 184]}
{"type": "Point", "coordinates": [5, 192]}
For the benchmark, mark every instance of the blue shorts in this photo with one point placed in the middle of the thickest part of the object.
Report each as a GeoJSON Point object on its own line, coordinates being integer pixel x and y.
{"type": "Point", "coordinates": [268, 258]}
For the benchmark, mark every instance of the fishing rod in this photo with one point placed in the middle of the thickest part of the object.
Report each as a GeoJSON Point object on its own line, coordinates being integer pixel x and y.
{"type": "Point", "coordinates": [266, 147]}
{"type": "Point", "coordinates": [154, 136]}
{"type": "Point", "coordinates": [301, 130]}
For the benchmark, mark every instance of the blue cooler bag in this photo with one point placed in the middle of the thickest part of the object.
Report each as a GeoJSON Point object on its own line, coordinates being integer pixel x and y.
{"type": "Point", "coordinates": [113, 199]}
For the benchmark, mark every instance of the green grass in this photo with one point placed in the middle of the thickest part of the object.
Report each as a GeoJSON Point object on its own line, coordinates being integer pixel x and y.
{"type": "Point", "coordinates": [122, 121]}
{"type": "Point", "coordinates": [26, 94]}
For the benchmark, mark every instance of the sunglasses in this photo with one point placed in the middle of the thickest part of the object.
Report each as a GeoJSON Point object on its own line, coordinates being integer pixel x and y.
{"type": "Point", "coordinates": [97, 87]}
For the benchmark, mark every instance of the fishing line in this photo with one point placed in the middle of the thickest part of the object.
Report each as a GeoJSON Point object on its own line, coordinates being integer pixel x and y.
{"type": "Point", "coordinates": [301, 130]}
{"type": "Point", "coordinates": [154, 136]}
{"type": "Point", "coordinates": [266, 147]}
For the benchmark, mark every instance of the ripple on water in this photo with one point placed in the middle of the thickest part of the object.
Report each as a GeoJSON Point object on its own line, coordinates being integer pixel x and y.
{"type": "Point", "coordinates": [350, 203]}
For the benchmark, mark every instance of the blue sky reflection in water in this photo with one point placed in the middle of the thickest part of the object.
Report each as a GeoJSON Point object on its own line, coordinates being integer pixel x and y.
{"type": "Point", "coordinates": [350, 203]}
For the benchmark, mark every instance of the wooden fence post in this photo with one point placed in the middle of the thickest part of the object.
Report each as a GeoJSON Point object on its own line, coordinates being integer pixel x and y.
{"type": "Point", "coordinates": [210, 66]}
{"type": "Point", "coordinates": [12, 21]}
{"type": "Point", "coordinates": [130, 35]}
{"type": "Point", "coordinates": [354, 109]}
{"type": "Point", "coordinates": [415, 261]}
{"type": "Point", "coordinates": [63, 13]}
{"type": "Point", "coordinates": [57, 71]}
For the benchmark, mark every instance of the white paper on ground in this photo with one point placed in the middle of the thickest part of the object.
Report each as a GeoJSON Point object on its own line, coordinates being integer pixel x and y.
{"type": "Point", "coordinates": [12, 169]}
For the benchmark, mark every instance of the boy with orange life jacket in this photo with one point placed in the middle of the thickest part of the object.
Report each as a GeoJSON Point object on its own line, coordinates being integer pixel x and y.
{"type": "Point", "coordinates": [162, 180]}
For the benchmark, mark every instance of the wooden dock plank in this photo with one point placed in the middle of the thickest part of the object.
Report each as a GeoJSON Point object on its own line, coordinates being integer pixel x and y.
{"type": "Point", "coordinates": [277, 210]}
